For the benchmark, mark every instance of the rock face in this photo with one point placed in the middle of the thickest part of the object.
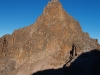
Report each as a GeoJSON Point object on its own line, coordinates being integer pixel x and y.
{"type": "Point", "coordinates": [49, 39]}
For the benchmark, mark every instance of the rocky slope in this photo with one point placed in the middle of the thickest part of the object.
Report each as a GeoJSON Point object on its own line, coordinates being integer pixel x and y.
{"type": "Point", "coordinates": [48, 40]}
{"type": "Point", "coordinates": [87, 63]}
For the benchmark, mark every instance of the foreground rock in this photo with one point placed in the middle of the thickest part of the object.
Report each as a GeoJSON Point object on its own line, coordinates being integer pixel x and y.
{"type": "Point", "coordinates": [87, 63]}
{"type": "Point", "coordinates": [45, 44]}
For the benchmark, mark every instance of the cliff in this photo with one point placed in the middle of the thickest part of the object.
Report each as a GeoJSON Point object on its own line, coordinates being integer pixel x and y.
{"type": "Point", "coordinates": [48, 40]}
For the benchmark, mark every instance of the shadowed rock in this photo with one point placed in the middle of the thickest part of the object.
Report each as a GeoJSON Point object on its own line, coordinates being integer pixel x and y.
{"type": "Point", "coordinates": [86, 64]}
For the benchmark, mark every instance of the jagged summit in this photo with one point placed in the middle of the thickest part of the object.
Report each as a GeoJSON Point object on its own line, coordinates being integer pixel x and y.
{"type": "Point", "coordinates": [49, 40]}
{"type": "Point", "coordinates": [53, 9]}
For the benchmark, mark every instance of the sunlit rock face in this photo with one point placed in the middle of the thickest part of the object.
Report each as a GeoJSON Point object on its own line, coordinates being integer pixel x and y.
{"type": "Point", "coordinates": [50, 38]}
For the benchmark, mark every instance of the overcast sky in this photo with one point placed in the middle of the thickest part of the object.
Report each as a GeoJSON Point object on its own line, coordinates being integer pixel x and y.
{"type": "Point", "coordinates": [16, 14]}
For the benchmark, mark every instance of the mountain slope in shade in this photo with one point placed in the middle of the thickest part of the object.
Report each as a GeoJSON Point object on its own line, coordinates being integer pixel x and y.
{"type": "Point", "coordinates": [87, 63]}
{"type": "Point", "coordinates": [45, 44]}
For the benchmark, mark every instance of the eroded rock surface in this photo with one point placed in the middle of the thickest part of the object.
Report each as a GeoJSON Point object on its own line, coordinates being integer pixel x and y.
{"type": "Point", "coordinates": [50, 38]}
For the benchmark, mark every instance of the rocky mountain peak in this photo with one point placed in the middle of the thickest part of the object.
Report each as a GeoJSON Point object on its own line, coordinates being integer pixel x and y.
{"type": "Point", "coordinates": [54, 14]}
{"type": "Point", "coordinates": [52, 8]}
{"type": "Point", "coordinates": [50, 39]}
